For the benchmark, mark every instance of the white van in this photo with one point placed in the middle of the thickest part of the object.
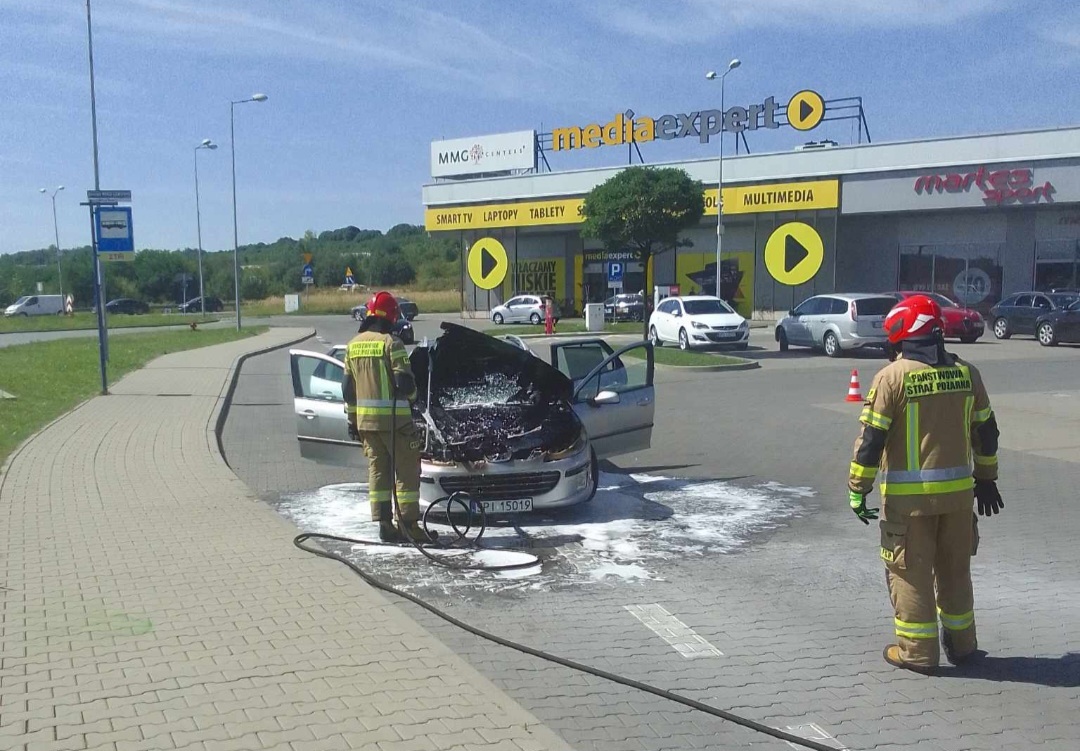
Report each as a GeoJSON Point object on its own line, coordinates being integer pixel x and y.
{"type": "Point", "coordinates": [36, 305]}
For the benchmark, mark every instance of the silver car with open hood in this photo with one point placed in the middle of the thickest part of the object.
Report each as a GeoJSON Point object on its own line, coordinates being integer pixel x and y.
{"type": "Point", "coordinates": [515, 432]}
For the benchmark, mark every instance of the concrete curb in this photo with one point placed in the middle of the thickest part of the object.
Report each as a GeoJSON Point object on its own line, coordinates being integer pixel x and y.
{"type": "Point", "coordinates": [93, 328]}
{"type": "Point", "coordinates": [216, 423]}
{"type": "Point", "coordinates": [744, 365]}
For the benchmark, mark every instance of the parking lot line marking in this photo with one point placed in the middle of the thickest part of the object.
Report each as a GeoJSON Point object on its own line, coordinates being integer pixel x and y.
{"type": "Point", "coordinates": [681, 637]}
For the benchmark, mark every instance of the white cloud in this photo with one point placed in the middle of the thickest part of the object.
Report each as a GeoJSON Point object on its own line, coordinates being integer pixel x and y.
{"type": "Point", "coordinates": [680, 20]}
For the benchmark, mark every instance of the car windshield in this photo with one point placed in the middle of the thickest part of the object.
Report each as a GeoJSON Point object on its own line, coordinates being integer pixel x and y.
{"type": "Point", "coordinates": [706, 307]}
{"type": "Point", "coordinates": [1063, 301]}
{"type": "Point", "coordinates": [21, 300]}
{"type": "Point", "coordinates": [874, 306]}
{"type": "Point", "coordinates": [1075, 307]}
{"type": "Point", "coordinates": [943, 301]}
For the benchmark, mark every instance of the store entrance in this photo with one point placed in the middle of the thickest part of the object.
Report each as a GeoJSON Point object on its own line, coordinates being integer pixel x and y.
{"type": "Point", "coordinates": [969, 273]}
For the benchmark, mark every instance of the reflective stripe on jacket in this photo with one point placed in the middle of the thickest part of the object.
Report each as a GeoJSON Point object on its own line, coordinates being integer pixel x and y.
{"type": "Point", "coordinates": [922, 431]}
{"type": "Point", "coordinates": [372, 360]}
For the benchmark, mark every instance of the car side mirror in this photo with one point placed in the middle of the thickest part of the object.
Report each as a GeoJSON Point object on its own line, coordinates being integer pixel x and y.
{"type": "Point", "coordinates": [791, 312]}
{"type": "Point", "coordinates": [605, 397]}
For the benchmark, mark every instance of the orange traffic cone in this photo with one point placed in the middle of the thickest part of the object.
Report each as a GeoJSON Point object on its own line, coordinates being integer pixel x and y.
{"type": "Point", "coordinates": [854, 392]}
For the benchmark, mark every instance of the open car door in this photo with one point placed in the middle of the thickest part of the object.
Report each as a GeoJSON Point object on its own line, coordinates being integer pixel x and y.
{"type": "Point", "coordinates": [615, 399]}
{"type": "Point", "coordinates": [321, 425]}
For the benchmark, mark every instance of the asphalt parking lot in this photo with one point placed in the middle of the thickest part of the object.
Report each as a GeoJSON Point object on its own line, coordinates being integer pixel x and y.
{"type": "Point", "coordinates": [724, 564]}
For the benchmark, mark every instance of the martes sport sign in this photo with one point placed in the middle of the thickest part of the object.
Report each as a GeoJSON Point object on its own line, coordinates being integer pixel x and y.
{"type": "Point", "coordinates": [804, 111]}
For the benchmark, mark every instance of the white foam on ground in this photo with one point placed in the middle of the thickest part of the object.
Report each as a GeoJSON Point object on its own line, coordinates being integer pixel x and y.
{"type": "Point", "coordinates": [630, 529]}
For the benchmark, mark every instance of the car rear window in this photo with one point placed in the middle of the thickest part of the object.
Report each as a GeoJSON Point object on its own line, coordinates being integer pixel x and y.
{"type": "Point", "coordinates": [874, 306]}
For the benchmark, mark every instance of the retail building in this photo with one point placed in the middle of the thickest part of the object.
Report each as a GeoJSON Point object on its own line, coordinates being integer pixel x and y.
{"type": "Point", "coordinates": [973, 217]}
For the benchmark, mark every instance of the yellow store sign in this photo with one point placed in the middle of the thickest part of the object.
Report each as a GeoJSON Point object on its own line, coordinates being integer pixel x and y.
{"type": "Point", "coordinates": [742, 199]}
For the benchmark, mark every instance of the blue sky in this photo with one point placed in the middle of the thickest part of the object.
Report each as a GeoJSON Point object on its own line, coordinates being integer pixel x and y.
{"type": "Point", "coordinates": [359, 89]}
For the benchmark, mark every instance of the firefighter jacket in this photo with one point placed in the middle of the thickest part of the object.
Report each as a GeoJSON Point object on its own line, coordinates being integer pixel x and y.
{"type": "Point", "coordinates": [378, 382]}
{"type": "Point", "coordinates": [930, 431]}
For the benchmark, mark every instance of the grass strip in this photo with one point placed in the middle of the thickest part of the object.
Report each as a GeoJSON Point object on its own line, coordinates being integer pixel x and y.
{"type": "Point", "coordinates": [50, 378]}
{"type": "Point", "coordinates": [569, 326]}
{"type": "Point", "coordinates": [83, 320]}
{"type": "Point", "coordinates": [678, 357]}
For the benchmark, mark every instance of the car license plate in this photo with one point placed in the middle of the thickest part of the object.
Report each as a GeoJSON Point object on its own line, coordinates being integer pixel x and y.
{"type": "Point", "coordinates": [878, 324]}
{"type": "Point", "coordinates": [514, 506]}
{"type": "Point", "coordinates": [727, 334]}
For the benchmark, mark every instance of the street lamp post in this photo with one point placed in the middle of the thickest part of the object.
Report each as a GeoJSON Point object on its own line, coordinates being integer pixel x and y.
{"type": "Point", "coordinates": [206, 144]}
{"type": "Point", "coordinates": [236, 233]}
{"type": "Point", "coordinates": [56, 235]}
{"type": "Point", "coordinates": [712, 76]}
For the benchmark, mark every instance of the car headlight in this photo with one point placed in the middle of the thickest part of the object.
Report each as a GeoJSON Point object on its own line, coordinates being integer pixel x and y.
{"type": "Point", "coordinates": [744, 325]}
{"type": "Point", "coordinates": [574, 448]}
{"type": "Point", "coordinates": [699, 325]}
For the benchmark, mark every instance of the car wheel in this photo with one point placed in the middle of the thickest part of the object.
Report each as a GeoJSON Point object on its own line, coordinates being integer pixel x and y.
{"type": "Point", "coordinates": [1001, 329]}
{"type": "Point", "coordinates": [497, 318]}
{"type": "Point", "coordinates": [781, 338]}
{"type": "Point", "coordinates": [684, 340]}
{"type": "Point", "coordinates": [1047, 337]}
{"type": "Point", "coordinates": [968, 339]}
{"type": "Point", "coordinates": [594, 472]}
{"type": "Point", "coordinates": [831, 345]}
{"type": "Point", "coordinates": [654, 337]}
{"type": "Point", "coordinates": [535, 319]}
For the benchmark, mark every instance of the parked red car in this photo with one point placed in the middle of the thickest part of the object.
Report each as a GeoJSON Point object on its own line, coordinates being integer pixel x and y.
{"type": "Point", "coordinates": [960, 323]}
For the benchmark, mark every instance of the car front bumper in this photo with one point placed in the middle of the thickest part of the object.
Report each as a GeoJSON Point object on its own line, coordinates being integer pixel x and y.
{"type": "Point", "coordinates": [700, 338]}
{"type": "Point", "coordinates": [553, 484]}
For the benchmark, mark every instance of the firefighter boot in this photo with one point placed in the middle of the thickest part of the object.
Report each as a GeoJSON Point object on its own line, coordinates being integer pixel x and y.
{"type": "Point", "coordinates": [409, 525]}
{"type": "Point", "coordinates": [385, 516]}
{"type": "Point", "coordinates": [892, 656]}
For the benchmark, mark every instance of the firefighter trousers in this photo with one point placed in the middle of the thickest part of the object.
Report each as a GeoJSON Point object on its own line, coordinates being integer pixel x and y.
{"type": "Point", "coordinates": [381, 476]}
{"type": "Point", "coordinates": [928, 570]}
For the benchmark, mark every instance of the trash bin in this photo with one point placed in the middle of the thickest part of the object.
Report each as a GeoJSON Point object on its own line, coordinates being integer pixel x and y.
{"type": "Point", "coordinates": [594, 317]}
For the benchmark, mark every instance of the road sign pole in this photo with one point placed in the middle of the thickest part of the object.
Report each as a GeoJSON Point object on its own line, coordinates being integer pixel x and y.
{"type": "Point", "coordinates": [99, 305]}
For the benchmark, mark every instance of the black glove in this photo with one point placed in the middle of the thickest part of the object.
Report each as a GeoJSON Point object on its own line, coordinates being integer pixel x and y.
{"type": "Point", "coordinates": [988, 498]}
{"type": "Point", "coordinates": [354, 433]}
{"type": "Point", "coordinates": [858, 505]}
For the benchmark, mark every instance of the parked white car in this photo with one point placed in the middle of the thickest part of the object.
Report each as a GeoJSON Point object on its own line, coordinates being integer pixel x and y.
{"type": "Point", "coordinates": [520, 309]}
{"type": "Point", "coordinates": [701, 321]}
{"type": "Point", "coordinates": [36, 305]}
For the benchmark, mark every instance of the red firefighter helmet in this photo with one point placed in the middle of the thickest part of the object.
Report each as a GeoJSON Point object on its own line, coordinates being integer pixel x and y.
{"type": "Point", "coordinates": [383, 305]}
{"type": "Point", "coordinates": [916, 317]}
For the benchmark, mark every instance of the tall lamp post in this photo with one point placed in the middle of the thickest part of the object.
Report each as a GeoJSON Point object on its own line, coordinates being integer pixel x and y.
{"type": "Point", "coordinates": [236, 233]}
{"type": "Point", "coordinates": [712, 76]}
{"type": "Point", "coordinates": [56, 234]}
{"type": "Point", "coordinates": [206, 144]}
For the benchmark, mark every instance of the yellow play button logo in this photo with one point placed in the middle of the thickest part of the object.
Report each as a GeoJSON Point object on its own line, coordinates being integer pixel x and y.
{"type": "Point", "coordinates": [488, 263]}
{"type": "Point", "coordinates": [794, 253]}
{"type": "Point", "coordinates": [805, 110]}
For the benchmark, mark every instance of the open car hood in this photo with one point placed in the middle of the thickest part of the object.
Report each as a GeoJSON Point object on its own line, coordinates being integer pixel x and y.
{"type": "Point", "coordinates": [483, 399]}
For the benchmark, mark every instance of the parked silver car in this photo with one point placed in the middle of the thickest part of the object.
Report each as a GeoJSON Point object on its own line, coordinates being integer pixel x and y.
{"type": "Point", "coordinates": [836, 323]}
{"type": "Point", "coordinates": [520, 309]}
{"type": "Point", "coordinates": [498, 422]}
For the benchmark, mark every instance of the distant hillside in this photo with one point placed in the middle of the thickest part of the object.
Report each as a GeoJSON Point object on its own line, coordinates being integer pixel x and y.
{"type": "Point", "coordinates": [403, 255]}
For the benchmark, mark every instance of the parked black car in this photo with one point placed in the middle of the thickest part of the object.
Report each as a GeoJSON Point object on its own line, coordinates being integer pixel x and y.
{"type": "Point", "coordinates": [408, 308]}
{"type": "Point", "coordinates": [126, 306]}
{"type": "Point", "coordinates": [625, 307]}
{"type": "Point", "coordinates": [1019, 313]}
{"type": "Point", "coordinates": [213, 305]}
{"type": "Point", "coordinates": [1061, 325]}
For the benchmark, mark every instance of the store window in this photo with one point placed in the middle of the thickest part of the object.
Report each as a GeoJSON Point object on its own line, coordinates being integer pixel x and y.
{"type": "Point", "coordinates": [1057, 265]}
{"type": "Point", "coordinates": [969, 273]}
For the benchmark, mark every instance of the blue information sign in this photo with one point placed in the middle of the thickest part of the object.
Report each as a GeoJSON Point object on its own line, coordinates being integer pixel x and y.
{"type": "Point", "coordinates": [615, 271]}
{"type": "Point", "coordinates": [114, 237]}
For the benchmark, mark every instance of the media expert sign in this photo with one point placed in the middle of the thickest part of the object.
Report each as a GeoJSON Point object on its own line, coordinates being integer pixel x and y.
{"type": "Point", "coordinates": [750, 199]}
{"type": "Point", "coordinates": [501, 152]}
{"type": "Point", "coordinates": [804, 111]}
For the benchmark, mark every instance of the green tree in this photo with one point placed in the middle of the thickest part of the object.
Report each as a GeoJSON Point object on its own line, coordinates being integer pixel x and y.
{"type": "Point", "coordinates": [643, 209]}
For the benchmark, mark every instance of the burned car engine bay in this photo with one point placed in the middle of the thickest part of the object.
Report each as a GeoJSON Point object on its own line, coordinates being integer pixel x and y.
{"type": "Point", "coordinates": [480, 399]}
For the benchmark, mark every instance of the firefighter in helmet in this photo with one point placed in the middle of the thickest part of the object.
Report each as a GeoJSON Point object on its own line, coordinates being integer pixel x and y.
{"type": "Point", "coordinates": [928, 426]}
{"type": "Point", "coordinates": [378, 389]}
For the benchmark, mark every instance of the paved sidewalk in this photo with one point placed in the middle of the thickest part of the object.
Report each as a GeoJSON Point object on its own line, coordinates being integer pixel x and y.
{"type": "Point", "coordinates": [149, 601]}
